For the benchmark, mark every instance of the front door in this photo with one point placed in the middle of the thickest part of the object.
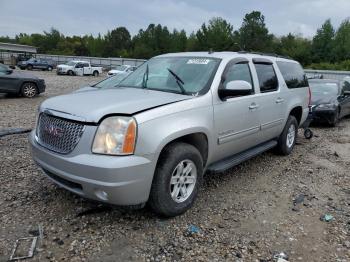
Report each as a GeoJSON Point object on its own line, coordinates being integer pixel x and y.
{"type": "Point", "coordinates": [237, 118]}
{"type": "Point", "coordinates": [79, 69]}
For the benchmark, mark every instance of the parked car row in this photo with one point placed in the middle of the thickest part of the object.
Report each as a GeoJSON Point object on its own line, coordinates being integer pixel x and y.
{"type": "Point", "coordinates": [80, 68]}
{"type": "Point", "coordinates": [18, 83]}
{"type": "Point", "coordinates": [37, 63]}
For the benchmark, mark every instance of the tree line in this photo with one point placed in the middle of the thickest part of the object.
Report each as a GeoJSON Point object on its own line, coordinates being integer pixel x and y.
{"type": "Point", "coordinates": [328, 49]}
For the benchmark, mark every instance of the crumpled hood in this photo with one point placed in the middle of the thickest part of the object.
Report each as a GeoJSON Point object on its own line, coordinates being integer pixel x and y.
{"type": "Point", "coordinates": [91, 106]}
{"type": "Point", "coordinates": [321, 99]}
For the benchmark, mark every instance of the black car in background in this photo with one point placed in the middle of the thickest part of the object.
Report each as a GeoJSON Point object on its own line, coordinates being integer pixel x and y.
{"type": "Point", "coordinates": [330, 100]}
{"type": "Point", "coordinates": [20, 83]}
{"type": "Point", "coordinates": [37, 63]}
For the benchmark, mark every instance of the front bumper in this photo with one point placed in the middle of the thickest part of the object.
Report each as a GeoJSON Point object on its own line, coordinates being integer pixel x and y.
{"type": "Point", "coordinates": [325, 116]}
{"type": "Point", "coordinates": [122, 180]}
{"type": "Point", "coordinates": [41, 86]}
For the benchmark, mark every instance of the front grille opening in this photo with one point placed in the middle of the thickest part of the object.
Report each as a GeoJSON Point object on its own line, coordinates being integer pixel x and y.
{"type": "Point", "coordinates": [63, 181]}
{"type": "Point", "coordinates": [58, 134]}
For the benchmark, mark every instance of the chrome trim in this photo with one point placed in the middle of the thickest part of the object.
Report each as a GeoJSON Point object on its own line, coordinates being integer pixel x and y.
{"type": "Point", "coordinates": [64, 115]}
{"type": "Point", "coordinates": [235, 135]}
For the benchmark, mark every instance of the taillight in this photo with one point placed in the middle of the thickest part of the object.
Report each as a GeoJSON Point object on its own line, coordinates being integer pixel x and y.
{"type": "Point", "coordinates": [309, 96]}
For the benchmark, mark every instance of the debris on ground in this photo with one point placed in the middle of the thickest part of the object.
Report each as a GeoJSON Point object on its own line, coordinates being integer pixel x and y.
{"type": "Point", "coordinates": [14, 131]}
{"type": "Point", "coordinates": [193, 229]}
{"type": "Point", "coordinates": [280, 257]}
{"type": "Point", "coordinates": [23, 248]}
{"type": "Point", "coordinates": [326, 218]}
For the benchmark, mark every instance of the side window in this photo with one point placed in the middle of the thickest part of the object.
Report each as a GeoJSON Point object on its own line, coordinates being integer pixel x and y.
{"type": "Point", "coordinates": [267, 77]}
{"type": "Point", "coordinates": [238, 71]}
{"type": "Point", "coordinates": [79, 65]}
{"type": "Point", "coordinates": [85, 65]}
{"type": "Point", "coordinates": [3, 70]}
{"type": "Point", "coordinates": [293, 74]}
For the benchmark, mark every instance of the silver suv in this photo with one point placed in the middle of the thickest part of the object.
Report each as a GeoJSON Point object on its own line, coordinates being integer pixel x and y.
{"type": "Point", "coordinates": [151, 138]}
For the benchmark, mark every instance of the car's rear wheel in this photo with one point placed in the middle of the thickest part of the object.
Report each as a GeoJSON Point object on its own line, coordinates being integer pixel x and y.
{"type": "Point", "coordinates": [95, 73]}
{"type": "Point", "coordinates": [29, 90]}
{"type": "Point", "coordinates": [49, 68]}
{"type": "Point", "coordinates": [287, 139]}
{"type": "Point", "coordinates": [177, 179]}
{"type": "Point", "coordinates": [29, 67]}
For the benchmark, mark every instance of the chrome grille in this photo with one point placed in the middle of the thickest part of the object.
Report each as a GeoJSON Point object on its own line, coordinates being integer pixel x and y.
{"type": "Point", "coordinates": [57, 134]}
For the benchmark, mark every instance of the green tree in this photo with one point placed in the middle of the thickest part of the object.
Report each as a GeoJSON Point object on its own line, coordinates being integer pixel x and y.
{"type": "Point", "coordinates": [323, 43]}
{"type": "Point", "coordinates": [117, 41]}
{"type": "Point", "coordinates": [254, 35]}
{"type": "Point", "coordinates": [217, 35]}
{"type": "Point", "coordinates": [295, 47]}
{"type": "Point", "coordinates": [342, 41]}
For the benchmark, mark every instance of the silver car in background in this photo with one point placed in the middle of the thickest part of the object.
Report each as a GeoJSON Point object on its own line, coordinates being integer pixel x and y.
{"type": "Point", "coordinates": [151, 138]}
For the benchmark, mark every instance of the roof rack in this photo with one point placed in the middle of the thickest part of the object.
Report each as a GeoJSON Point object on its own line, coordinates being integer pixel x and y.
{"type": "Point", "coordinates": [265, 54]}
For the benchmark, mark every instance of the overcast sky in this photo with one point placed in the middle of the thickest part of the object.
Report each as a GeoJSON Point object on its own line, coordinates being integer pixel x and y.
{"type": "Point", "coordinates": [79, 17]}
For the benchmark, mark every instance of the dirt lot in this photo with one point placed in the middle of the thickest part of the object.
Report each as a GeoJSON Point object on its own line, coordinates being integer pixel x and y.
{"type": "Point", "coordinates": [268, 205]}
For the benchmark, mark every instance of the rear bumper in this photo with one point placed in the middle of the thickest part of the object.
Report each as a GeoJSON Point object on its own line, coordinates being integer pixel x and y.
{"type": "Point", "coordinates": [123, 180]}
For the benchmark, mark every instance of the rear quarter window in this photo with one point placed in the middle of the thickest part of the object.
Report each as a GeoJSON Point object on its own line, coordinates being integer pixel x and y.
{"type": "Point", "coordinates": [293, 74]}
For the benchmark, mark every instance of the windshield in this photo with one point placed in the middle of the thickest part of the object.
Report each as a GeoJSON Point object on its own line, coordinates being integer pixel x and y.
{"type": "Point", "coordinates": [111, 81]}
{"type": "Point", "coordinates": [71, 63]}
{"type": "Point", "coordinates": [120, 68]}
{"type": "Point", "coordinates": [324, 89]}
{"type": "Point", "coordinates": [187, 75]}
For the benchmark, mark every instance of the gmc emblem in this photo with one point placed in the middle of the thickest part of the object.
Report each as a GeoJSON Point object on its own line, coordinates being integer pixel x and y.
{"type": "Point", "coordinates": [54, 131]}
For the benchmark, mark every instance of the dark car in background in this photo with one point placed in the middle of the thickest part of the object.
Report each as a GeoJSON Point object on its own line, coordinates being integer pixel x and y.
{"type": "Point", "coordinates": [330, 100]}
{"type": "Point", "coordinates": [20, 83]}
{"type": "Point", "coordinates": [37, 63]}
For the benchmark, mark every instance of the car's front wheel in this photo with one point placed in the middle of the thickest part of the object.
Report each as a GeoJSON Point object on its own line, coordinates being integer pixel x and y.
{"type": "Point", "coordinates": [29, 67]}
{"type": "Point", "coordinates": [49, 68]}
{"type": "Point", "coordinates": [29, 90]}
{"type": "Point", "coordinates": [288, 138]}
{"type": "Point", "coordinates": [177, 179]}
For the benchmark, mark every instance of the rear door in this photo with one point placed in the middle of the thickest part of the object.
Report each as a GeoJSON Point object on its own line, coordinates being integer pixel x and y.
{"type": "Point", "coordinates": [236, 118]}
{"type": "Point", "coordinates": [87, 69]}
{"type": "Point", "coordinates": [271, 100]}
{"type": "Point", "coordinates": [8, 82]}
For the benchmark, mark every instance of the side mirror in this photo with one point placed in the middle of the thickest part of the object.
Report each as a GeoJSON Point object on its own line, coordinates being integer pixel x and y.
{"type": "Point", "coordinates": [235, 88]}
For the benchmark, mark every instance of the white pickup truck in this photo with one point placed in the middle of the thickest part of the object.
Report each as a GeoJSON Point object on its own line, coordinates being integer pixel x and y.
{"type": "Point", "coordinates": [79, 68]}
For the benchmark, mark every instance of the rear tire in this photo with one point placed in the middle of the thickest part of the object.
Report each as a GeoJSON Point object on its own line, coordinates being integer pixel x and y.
{"type": "Point", "coordinates": [49, 68]}
{"type": "Point", "coordinates": [29, 90]}
{"type": "Point", "coordinates": [176, 181]}
{"type": "Point", "coordinates": [287, 139]}
{"type": "Point", "coordinates": [95, 73]}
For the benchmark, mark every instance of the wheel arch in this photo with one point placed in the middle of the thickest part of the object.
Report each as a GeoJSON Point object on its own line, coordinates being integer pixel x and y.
{"type": "Point", "coordinates": [297, 112]}
{"type": "Point", "coordinates": [198, 139]}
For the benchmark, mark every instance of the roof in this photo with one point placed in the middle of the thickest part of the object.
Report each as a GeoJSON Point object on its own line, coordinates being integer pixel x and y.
{"type": "Point", "coordinates": [18, 48]}
{"type": "Point", "coordinates": [229, 55]}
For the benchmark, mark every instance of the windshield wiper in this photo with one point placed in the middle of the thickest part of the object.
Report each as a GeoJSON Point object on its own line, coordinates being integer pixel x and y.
{"type": "Point", "coordinates": [179, 81]}
{"type": "Point", "coordinates": [145, 77]}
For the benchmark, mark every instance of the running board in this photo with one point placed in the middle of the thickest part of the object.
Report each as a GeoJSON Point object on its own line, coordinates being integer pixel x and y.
{"type": "Point", "coordinates": [241, 157]}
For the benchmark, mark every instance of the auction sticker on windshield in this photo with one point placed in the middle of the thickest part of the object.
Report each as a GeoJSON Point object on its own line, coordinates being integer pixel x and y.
{"type": "Point", "coordinates": [198, 61]}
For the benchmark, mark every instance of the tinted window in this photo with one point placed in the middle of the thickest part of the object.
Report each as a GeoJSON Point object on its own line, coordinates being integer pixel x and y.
{"type": "Point", "coordinates": [85, 65]}
{"type": "Point", "coordinates": [267, 77]}
{"type": "Point", "coordinates": [238, 72]}
{"type": "Point", "coordinates": [293, 74]}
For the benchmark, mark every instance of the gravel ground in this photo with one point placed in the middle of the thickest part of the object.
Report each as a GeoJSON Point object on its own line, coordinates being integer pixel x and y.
{"type": "Point", "coordinates": [268, 205]}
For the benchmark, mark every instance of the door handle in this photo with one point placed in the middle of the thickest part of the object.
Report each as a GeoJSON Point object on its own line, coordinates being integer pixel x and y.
{"type": "Point", "coordinates": [253, 106]}
{"type": "Point", "coordinates": [279, 100]}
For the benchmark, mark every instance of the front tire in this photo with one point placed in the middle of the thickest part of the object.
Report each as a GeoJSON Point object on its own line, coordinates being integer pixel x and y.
{"type": "Point", "coordinates": [70, 72]}
{"type": "Point", "coordinates": [287, 139]}
{"type": "Point", "coordinates": [49, 68]}
{"type": "Point", "coordinates": [335, 121]}
{"type": "Point", "coordinates": [29, 67]}
{"type": "Point", "coordinates": [29, 90]}
{"type": "Point", "coordinates": [176, 181]}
